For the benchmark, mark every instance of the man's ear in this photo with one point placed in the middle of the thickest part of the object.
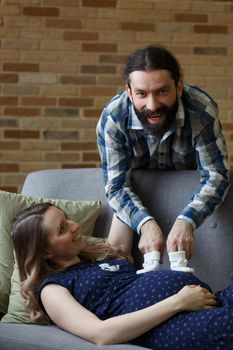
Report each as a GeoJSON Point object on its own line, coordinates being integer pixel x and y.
{"type": "Point", "coordinates": [129, 92]}
{"type": "Point", "coordinates": [180, 88]}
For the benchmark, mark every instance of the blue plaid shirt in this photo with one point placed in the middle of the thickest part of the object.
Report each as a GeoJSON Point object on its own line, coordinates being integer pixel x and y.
{"type": "Point", "coordinates": [195, 141]}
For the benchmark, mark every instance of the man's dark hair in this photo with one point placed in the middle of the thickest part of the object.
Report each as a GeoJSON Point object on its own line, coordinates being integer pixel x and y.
{"type": "Point", "coordinates": [152, 58]}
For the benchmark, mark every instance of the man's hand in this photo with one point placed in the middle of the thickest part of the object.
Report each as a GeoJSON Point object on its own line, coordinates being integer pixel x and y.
{"type": "Point", "coordinates": [151, 238]}
{"type": "Point", "coordinates": [181, 237]}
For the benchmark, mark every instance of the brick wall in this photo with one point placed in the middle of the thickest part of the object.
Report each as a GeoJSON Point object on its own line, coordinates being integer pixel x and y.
{"type": "Point", "coordinates": [60, 60]}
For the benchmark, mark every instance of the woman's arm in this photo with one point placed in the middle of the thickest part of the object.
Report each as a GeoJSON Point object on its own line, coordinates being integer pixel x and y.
{"type": "Point", "coordinates": [69, 315]}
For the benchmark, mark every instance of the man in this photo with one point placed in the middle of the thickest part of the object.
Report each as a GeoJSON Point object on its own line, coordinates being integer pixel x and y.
{"type": "Point", "coordinates": [160, 123]}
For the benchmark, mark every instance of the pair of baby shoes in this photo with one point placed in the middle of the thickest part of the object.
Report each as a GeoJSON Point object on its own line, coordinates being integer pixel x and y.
{"type": "Point", "coordinates": [178, 262]}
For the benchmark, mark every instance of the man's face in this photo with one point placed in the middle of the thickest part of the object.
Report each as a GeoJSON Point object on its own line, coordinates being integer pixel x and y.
{"type": "Point", "coordinates": [155, 98]}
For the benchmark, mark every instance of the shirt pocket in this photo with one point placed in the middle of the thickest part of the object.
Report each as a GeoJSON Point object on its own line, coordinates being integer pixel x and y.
{"type": "Point", "coordinates": [185, 160]}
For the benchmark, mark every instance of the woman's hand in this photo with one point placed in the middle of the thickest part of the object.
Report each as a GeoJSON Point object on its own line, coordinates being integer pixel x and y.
{"type": "Point", "coordinates": [194, 297]}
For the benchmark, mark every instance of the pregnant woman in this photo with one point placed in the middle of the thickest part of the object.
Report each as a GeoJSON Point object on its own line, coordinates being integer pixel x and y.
{"type": "Point", "coordinates": [95, 293]}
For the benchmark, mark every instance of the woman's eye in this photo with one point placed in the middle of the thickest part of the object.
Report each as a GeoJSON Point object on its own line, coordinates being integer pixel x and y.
{"type": "Point", "coordinates": [62, 229]}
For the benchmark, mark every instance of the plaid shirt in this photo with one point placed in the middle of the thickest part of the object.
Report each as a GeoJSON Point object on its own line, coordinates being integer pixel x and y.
{"type": "Point", "coordinates": [195, 141]}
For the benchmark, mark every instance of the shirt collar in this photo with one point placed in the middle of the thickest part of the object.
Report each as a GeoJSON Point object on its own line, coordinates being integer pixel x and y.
{"type": "Point", "coordinates": [133, 121]}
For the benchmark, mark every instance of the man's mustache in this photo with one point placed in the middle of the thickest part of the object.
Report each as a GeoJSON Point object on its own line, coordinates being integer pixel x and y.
{"type": "Point", "coordinates": [161, 110]}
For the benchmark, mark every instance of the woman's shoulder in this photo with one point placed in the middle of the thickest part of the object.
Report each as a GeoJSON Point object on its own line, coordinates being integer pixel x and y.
{"type": "Point", "coordinates": [65, 278]}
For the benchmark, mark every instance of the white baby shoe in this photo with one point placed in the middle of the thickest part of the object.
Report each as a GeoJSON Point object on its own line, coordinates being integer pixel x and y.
{"type": "Point", "coordinates": [178, 261]}
{"type": "Point", "coordinates": [151, 262]}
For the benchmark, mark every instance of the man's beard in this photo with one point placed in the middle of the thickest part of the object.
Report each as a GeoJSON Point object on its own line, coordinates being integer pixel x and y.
{"type": "Point", "coordinates": [160, 128]}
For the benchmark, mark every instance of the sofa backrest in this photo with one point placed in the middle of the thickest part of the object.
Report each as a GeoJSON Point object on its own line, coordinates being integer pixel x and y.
{"type": "Point", "coordinates": [164, 193]}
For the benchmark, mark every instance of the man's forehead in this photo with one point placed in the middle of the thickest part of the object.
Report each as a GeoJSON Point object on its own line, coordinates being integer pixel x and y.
{"type": "Point", "coordinates": [156, 79]}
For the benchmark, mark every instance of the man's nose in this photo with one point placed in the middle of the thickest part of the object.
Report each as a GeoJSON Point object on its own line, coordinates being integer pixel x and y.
{"type": "Point", "coordinates": [152, 103]}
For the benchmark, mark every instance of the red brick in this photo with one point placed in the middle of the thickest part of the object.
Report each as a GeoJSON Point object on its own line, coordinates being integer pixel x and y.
{"type": "Point", "coordinates": [22, 112]}
{"type": "Point", "coordinates": [38, 101]}
{"type": "Point", "coordinates": [8, 101]}
{"type": "Point", "coordinates": [113, 59]}
{"type": "Point", "coordinates": [209, 29]}
{"type": "Point", "coordinates": [12, 189]}
{"type": "Point", "coordinates": [9, 145]}
{"type": "Point", "coordinates": [227, 126]}
{"type": "Point", "coordinates": [115, 80]}
{"type": "Point", "coordinates": [93, 69]}
{"type": "Point", "coordinates": [92, 156]}
{"type": "Point", "coordinates": [181, 49]}
{"type": "Point", "coordinates": [21, 67]}
{"type": "Point", "coordinates": [76, 102]}
{"type": "Point", "coordinates": [99, 3]}
{"type": "Point", "coordinates": [103, 47]}
{"type": "Point", "coordinates": [77, 165]}
{"type": "Point", "coordinates": [138, 26]}
{"type": "Point", "coordinates": [68, 35]}
{"type": "Point", "coordinates": [9, 78]}
{"type": "Point", "coordinates": [62, 23]}
{"type": "Point", "coordinates": [78, 146]}
{"type": "Point", "coordinates": [9, 167]}
{"type": "Point", "coordinates": [92, 113]}
{"type": "Point", "coordinates": [41, 11]}
{"type": "Point", "coordinates": [22, 134]}
{"type": "Point", "coordinates": [191, 17]}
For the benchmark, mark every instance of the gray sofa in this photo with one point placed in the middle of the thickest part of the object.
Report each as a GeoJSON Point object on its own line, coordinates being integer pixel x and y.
{"type": "Point", "coordinates": [165, 193]}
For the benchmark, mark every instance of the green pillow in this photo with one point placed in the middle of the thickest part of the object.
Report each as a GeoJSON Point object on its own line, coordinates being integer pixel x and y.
{"type": "Point", "coordinates": [17, 311]}
{"type": "Point", "coordinates": [83, 212]}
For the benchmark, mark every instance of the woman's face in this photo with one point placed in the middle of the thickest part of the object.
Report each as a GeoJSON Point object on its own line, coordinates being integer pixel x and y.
{"type": "Point", "coordinates": [64, 239]}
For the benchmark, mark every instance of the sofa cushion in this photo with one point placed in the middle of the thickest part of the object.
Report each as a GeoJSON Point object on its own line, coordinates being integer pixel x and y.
{"type": "Point", "coordinates": [84, 212]}
{"type": "Point", "coordinates": [31, 337]}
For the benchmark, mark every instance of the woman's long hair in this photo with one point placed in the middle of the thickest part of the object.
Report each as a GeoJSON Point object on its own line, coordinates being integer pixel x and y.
{"type": "Point", "coordinates": [30, 242]}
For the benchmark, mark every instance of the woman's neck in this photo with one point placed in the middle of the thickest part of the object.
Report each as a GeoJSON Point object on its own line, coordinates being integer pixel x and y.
{"type": "Point", "coordinates": [66, 263]}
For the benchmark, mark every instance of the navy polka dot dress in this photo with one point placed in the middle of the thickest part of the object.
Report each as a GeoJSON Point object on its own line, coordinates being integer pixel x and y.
{"type": "Point", "coordinates": [112, 287]}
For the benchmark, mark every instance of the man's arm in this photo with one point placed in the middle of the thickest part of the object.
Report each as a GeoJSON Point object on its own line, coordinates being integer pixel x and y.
{"type": "Point", "coordinates": [116, 163]}
{"type": "Point", "coordinates": [214, 175]}
{"type": "Point", "coordinates": [214, 183]}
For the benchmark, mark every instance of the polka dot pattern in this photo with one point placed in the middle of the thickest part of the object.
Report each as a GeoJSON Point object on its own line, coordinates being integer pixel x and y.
{"type": "Point", "coordinates": [114, 289]}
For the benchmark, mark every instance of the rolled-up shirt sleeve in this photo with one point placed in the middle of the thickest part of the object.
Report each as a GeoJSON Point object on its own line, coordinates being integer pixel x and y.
{"type": "Point", "coordinates": [214, 172]}
{"type": "Point", "coordinates": [116, 164]}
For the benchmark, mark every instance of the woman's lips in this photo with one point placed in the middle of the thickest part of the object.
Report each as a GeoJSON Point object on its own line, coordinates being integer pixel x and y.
{"type": "Point", "coordinates": [77, 238]}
